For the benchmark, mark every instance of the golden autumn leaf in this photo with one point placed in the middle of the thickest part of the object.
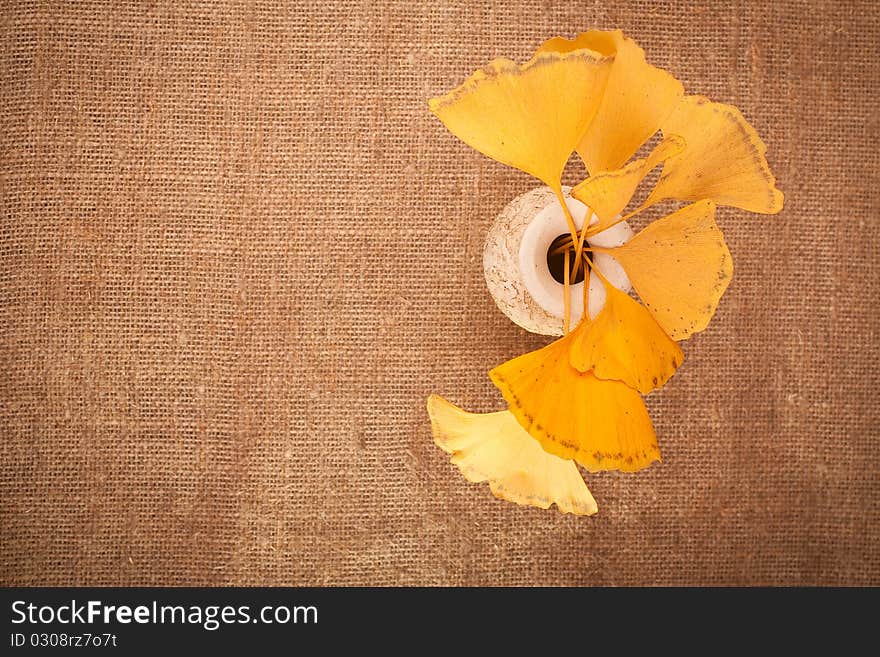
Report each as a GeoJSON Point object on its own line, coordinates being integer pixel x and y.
{"type": "Point", "coordinates": [680, 266]}
{"type": "Point", "coordinates": [638, 97]}
{"type": "Point", "coordinates": [723, 160]}
{"type": "Point", "coordinates": [625, 343]}
{"type": "Point", "coordinates": [494, 448]}
{"type": "Point", "coordinates": [530, 117]}
{"type": "Point", "coordinates": [607, 193]}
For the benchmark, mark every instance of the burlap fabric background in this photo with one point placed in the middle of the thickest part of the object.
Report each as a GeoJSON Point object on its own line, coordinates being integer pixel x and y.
{"type": "Point", "coordinates": [238, 254]}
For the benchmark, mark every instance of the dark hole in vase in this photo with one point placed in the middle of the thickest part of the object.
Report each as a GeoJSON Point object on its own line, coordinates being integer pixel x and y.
{"type": "Point", "coordinates": [556, 261]}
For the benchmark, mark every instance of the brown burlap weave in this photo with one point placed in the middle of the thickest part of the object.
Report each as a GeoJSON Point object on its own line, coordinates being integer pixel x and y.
{"type": "Point", "coordinates": [238, 253]}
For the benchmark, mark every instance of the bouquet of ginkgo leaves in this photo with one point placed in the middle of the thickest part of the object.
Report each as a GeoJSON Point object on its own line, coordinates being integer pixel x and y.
{"type": "Point", "coordinates": [579, 399]}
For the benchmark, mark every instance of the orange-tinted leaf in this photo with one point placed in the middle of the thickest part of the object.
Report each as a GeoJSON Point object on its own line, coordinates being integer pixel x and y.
{"type": "Point", "coordinates": [603, 425]}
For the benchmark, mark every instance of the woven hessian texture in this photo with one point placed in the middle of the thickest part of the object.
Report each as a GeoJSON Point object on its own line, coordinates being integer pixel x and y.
{"type": "Point", "coordinates": [238, 253]}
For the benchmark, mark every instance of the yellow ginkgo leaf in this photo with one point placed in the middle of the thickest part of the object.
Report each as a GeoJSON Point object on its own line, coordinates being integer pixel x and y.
{"type": "Point", "coordinates": [638, 97]}
{"type": "Point", "coordinates": [603, 425]}
{"type": "Point", "coordinates": [493, 447]}
{"type": "Point", "coordinates": [528, 117]}
{"type": "Point", "coordinates": [680, 267]}
{"type": "Point", "coordinates": [608, 192]}
{"type": "Point", "coordinates": [625, 343]}
{"type": "Point", "coordinates": [723, 159]}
